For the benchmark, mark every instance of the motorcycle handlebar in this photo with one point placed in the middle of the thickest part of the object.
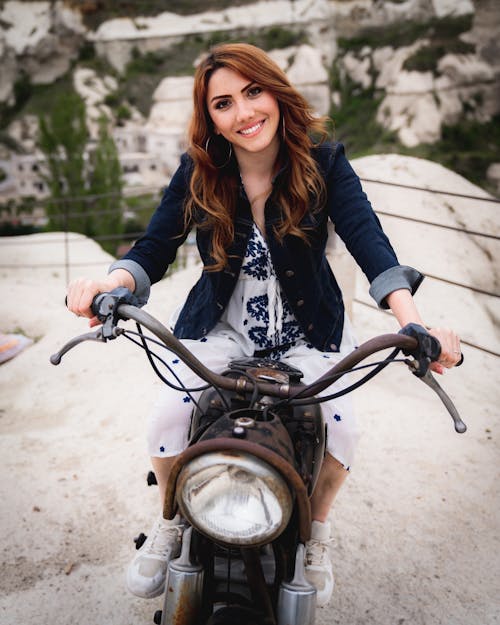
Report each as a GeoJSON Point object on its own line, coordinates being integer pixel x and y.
{"type": "Point", "coordinates": [126, 311]}
{"type": "Point", "coordinates": [413, 340]}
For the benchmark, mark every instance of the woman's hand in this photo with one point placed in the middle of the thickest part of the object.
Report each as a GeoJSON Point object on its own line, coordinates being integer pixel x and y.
{"type": "Point", "coordinates": [82, 291]}
{"type": "Point", "coordinates": [450, 349]}
{"type": "Point", "coordinates": [403, 307]}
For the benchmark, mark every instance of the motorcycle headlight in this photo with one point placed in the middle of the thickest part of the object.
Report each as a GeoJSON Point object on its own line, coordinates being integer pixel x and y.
{"type": "Point", "coordinates": [234, 498]}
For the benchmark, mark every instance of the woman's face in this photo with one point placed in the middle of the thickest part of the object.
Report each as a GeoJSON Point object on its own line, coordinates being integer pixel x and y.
{"type": "Point", "coordinates": [243, 112]}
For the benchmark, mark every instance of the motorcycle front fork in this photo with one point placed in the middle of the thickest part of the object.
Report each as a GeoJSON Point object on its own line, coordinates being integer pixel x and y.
{"type": "Point", "coordinates": [184, 592]}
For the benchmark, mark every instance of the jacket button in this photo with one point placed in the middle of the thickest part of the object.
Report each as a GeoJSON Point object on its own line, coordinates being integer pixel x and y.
{"type": "Point", "coordinates": [300, 302]}
{"type": "Point", "coordinates": [334, 347]}
{"type": "Point", "coordinates": [289, 273]}
{"type": "Point", "coordinates": [220, 306]}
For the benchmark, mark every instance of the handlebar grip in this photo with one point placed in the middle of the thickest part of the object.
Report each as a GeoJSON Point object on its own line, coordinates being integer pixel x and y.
{"type": "Point", "coordinates": [96, 303]}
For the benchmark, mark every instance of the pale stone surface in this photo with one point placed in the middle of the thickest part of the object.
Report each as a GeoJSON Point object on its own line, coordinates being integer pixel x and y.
{"type": "Point", "coordinates": [173, 104]}
{"type": "Point", "coordinates": [29, 23]}
{"type": "Point", "coordinates": [465, 69]}
{"type": "Point", "coordinates": [39, 39]}
{"type": "Point", "coordinates": [449, 258]}
{"type": "Point", "coordinates": [307, 67]}
{"type": "Point", "coordinates": [283, 56]}
{"type": "Point", "coordinates": [444, 8]}
{"type": "Point", "coordinates": [414, 83]}
{"type": "Point", "coordinates": [493, 175]}
{"type": "Point", "coordinates": [358, 70]}
{"type": "Point", "coordinates": [416, 104]}
{"type": "Point", "coordinates": [174, 88]}
{"type": "Point", "coordinates": [416, 119]}
{"type": "Point", "coordinates": [389, 63]}
{"type": "Point", "coordinates": [354, 16]}
{"type": "Point", "coordinates": [257, 15]}
{"type": "Point", "coordinates": [93, 89]}
{"type": "Point", "coordinates": [115, 38]}
{"type": "Point", "coordinates": [309, 75]}
{"type": "Point", "coordinates": [450, 105]}
{"type": "Point", "coordinates": [24, 131]}
{"type": "Point", "coordinates": [9, 73]}
{"type": "Point", "coordinates": [46, 38]}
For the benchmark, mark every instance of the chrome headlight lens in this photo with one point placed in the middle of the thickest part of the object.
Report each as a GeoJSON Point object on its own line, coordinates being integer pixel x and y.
{"type": "Point", "coordinates": [234, 498]}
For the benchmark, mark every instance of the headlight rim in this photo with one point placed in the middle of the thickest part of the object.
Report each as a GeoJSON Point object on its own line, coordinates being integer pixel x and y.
{"type": "Point", "coordinates": [270, 475]}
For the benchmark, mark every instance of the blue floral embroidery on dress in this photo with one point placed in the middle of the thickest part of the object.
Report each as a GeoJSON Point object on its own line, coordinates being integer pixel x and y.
{"type": "Point", "coordinates": [175, 361]}
{"type": "Point", "coordinates": [291, 331]}
{"type": "Point", "coordinates": [256, 262]}
{"type": "Point", "coordinates": [203, 340]}
{"type": "Point", "coordinates": [258, 334]}
{"type": "Point", "coordinates": [279, 352]}
{"type": "Point", "coordinates": [162, 449]}
{"type": "Point", "coordinates": [257, 307]}
{"type": "Point", "coordinates": [186, 399]}
{"type": "Point", "coordinates": [257, 269]}
{"type": "Point", "coordinates": [337, 417]}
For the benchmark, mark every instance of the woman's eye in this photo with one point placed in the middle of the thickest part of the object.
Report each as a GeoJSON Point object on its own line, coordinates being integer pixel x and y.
{"type": "Point", "coordinates": [222, 104]}
{"type": "Point", "coordinates": [254, 91]}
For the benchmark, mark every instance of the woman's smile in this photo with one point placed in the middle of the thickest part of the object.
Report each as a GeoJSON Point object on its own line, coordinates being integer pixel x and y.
{"type": "Point", "coordinates": [252, 130]}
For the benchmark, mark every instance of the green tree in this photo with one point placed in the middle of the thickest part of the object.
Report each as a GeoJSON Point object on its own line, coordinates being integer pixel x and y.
{"type": "Point", "coordinates": [63, 138]}
{"type": "Point", "coordinates": [105, 181]}
{"type": "Point", "coordinates": [76, 173]}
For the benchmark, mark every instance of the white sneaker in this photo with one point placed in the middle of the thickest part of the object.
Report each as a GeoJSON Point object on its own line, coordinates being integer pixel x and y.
{"type": "Point", "coordinates": [147, 571]}
{"type": "Point", "coordinates": [318, 567]}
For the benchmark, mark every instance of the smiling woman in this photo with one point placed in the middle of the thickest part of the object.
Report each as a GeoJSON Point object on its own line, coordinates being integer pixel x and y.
{"type": "Point", "coordinates": [247, 116]}
{"type": "Point", "coordinates": [259, 191]}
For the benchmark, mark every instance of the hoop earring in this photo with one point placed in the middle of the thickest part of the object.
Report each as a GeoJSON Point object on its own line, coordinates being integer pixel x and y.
{"type": "Point", "coordinates": [228, 158]}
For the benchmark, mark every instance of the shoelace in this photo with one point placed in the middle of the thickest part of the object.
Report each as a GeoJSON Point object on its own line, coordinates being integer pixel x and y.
{"type": "Point", "coordinates": [317, 551]}
{"type": "Point", "coordinates": [159, 542]}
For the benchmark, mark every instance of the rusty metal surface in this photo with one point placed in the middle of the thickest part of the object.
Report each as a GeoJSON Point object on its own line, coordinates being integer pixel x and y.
{"type": "Point", "coordinates": [270, 433]}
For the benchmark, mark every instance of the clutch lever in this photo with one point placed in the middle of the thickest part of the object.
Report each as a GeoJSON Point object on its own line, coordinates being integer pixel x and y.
{"type": "Point", "coordinates": [96, 335]}
{"type": "Point", "coordinates": [431, 381]}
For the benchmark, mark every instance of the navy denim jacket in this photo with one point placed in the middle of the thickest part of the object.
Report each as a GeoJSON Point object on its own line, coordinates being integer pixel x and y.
{"type": "Point", "coordinates": [302, 270]}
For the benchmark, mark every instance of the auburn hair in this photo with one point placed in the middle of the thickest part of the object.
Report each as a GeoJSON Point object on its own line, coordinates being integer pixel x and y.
{"type": "Point", "coordinates": [214, 185]}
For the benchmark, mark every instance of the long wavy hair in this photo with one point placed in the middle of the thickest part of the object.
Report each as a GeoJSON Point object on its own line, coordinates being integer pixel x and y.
{"type": "Point", "coordinates": [214, 185]}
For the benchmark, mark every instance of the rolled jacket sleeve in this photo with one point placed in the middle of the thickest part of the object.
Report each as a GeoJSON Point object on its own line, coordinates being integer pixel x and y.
{"type": "Point", "coordinates": [399, 277]}
{"type": "Point", "coordinates": [142, 281]}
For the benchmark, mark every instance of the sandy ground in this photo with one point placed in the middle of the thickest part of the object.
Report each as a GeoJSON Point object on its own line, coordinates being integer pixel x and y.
{"type": "Point", "coordinates": [417, 526]}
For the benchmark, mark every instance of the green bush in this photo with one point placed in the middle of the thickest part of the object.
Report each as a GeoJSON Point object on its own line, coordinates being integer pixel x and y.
{"type": "Point", "coordinates": [123, 113]}
{"type": "Point", "coordinates": [426, 59]}
{"type": "Point", "coordinates": [439, 30]}
{"type": "Point", "coordinates": [95, 13]}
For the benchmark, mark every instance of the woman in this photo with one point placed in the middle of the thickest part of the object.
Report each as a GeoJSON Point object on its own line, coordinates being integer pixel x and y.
{"type": "Point", "coordinates": [259, 192]}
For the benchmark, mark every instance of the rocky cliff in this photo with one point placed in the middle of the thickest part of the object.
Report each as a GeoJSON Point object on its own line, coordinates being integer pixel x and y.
{"type": "Point", "coordinates": [418, 65]}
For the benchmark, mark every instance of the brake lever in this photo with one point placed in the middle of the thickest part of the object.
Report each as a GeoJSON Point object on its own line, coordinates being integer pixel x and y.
{"type": "Point", "coordinates": [431, 381]}
{"type": "Point", "coordinates": [96, 335]}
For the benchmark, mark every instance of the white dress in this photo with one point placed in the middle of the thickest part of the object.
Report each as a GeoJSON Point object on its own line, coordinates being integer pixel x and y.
{"type": "Point", "coordinates": [258, 317]}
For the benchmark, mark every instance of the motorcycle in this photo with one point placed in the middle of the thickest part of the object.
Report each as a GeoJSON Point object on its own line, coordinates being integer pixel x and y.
{"type": "Point", "coordinates": [243, 484]}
